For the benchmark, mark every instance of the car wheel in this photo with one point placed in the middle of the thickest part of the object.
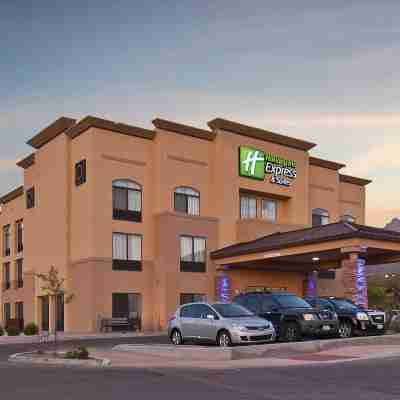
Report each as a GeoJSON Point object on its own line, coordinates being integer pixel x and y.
{"type": "Point", "coordinates": [291, 332]}
{"type": "Point", "coordinates": [345, 329]}
{"type": "Point", "coordinates": [224, 339]}
{"type": "Point", "coordinates": [176, 337]}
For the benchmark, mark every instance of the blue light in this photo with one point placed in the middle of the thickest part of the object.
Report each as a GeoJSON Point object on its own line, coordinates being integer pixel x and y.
{"type": "Point", "coordinates": [361, 284]}
{"type": "Point", "coordinates": [312, 284]}
{"type": "Point", "coordinates": [224, 288]}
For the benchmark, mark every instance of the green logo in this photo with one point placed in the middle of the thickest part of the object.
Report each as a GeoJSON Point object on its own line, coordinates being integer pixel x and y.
{"type": "Point", "coordinates": [251, 163]}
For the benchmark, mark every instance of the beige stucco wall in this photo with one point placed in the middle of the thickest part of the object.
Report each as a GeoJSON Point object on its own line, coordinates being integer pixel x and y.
{"type": "Point", "coordinates": [71, 227]}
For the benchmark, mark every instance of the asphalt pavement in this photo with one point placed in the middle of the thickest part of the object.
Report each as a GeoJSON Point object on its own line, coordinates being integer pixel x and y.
{"type": "Point", "coordinates": [359, 380]}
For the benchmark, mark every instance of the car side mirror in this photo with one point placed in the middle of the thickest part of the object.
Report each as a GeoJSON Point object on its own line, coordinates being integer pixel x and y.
{"type": "Point", "coordinates": [210, 317]}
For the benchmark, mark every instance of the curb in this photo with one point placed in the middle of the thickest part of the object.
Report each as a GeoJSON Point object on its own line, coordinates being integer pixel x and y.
{"type": "Point", "coordinates": [25, 358]}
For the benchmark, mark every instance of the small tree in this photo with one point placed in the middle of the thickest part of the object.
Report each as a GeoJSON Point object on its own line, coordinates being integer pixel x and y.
{"type": "Point", "coordinates": [53, 286]}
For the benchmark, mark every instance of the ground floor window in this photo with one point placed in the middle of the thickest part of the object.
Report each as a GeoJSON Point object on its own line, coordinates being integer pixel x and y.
{"type": "Point", "coordinates": [192, 298]}
{"type": "Point", "coordinates": [60, 313]}
{"type": "Point", "coordinates": [45, 312]}
{"type": "Point", "coordinates": [6, 312]}
{"type": "Point", "coordinates": [19, 310]}
{"type": "Point", "coordinates": [126, 305]}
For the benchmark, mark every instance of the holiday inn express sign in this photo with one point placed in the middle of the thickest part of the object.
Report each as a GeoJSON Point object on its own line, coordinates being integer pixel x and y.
{"type": "Point", "coordinates": [255, 164]}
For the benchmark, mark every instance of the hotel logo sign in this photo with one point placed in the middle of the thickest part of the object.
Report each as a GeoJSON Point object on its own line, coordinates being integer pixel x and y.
{"type": "Point", "coordinates": [255, 164]}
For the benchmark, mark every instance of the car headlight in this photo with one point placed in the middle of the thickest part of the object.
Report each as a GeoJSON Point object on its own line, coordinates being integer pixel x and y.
{"type": "Point", "coordinates": [239, 327]}
{"type": "Point", "coordinates": [309, 317]}
{"type": "Point", "coordinates": [361, 316]}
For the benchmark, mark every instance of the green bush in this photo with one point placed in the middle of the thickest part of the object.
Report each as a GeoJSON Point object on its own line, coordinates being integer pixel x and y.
{"type": "Point", "coordinates": [1, 331]}
{"type": "Point", "coordinates": [12, 331]}
{"type": "Point", "coordinates": [81, 353]}
{"type": "Point", "coordinates": [31, 329]}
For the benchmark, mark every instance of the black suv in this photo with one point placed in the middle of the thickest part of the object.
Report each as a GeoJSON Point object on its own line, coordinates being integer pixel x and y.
{"type": "Point", "coordinates": [292, 317]}
{"type": "Point", "coordinates": [352, 318]}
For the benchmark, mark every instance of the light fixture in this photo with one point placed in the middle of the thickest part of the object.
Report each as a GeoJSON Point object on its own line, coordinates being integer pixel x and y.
{"type": "Point", "coordinates": [315, 258]}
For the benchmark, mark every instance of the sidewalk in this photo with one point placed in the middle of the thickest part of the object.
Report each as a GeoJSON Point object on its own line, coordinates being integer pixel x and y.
{"type": "Point", "coordinates": [4, 340]}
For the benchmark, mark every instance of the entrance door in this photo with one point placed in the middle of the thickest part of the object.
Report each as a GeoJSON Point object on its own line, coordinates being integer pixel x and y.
{"type": "Point", "coordinates": [60, 313]}
{"type": "Point", "coordinates": [45, 313]}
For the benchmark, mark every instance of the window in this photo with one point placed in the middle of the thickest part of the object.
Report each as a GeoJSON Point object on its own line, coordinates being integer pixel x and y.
{"type": "Point", "coordinates": [201, 311]}
{"type": "Point", "coordinates": [187, 200]}
{"type": "Point", "coordinates": [320, 217]}
{"type": "Point", "coordinates": [6, 276]}
{"type": "Point", "coordinates": [127, 201]}
{"type": "Point", "coordinates": [19, 276]}
{"type": "Point", "coordinates": [268, 210]}
{"type": "Point", "coordinates": [187, 312]}
{"type": "Point", "coordinates": [19, 236]}
{"type": "Point", "coordinates": [30, 198]}
{"type": "Point", "coordinates": [6, 240]}
{"type": "Point", "coordinates": [268, 304]}
{"type": "Point", "coordinates": [347, 218]}
{"type": "Point", "coordinates": [126, 305]}
{"type": "Point", "coordinates": [327, 274]}
{"type": "Point", "coordinates": [19, 310]}
{"type": "Point", "coordinates": [80, 172]}
{"type": "Point", "coordinates": [248, 207]}
{"type": "Point", "coordinates": [6, 312]}
{"type": "Point", "coordinates": [193, 254]}
{"type": "Point", "coordinates": [127, 252]}
{"type": "Point", "coordinates": [192, 298]}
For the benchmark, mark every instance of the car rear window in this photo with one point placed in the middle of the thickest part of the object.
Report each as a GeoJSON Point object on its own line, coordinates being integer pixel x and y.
{"type": "Point", "coordinates": [291, 301]}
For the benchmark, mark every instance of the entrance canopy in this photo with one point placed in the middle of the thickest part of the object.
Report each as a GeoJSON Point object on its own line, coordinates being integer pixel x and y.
{"type": "Point", "coordinates": [310, 249]}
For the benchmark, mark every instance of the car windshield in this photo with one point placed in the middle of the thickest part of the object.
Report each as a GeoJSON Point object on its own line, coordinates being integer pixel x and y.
{"type": "Point", "coordinates": [232, 310]}
{"type": "Point", "coordinates": [344, 304]}
{"type": "Point", "coordinates": [291, 301]}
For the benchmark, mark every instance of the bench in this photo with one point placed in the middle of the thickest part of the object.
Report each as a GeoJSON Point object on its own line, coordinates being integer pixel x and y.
{"type": "Point", "coordinates": [125, 323]}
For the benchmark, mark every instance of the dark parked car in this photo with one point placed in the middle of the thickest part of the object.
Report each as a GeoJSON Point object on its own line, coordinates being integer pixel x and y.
{"type": "Point", "coordinates": [292, 317]}
{"type": "Point", "coordinates": [352, 318]}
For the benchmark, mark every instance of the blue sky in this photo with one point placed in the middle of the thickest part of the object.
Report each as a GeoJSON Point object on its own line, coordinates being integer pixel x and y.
{"type": "Point", "coordinates": [328, 73]}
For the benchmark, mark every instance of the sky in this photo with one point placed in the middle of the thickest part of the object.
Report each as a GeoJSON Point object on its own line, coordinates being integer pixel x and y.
{"type": "Point", "coordinates": [323, 71]}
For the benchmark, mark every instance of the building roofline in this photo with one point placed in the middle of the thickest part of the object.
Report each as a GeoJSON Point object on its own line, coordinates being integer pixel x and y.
{"type": "Point", "coordinates": [311, 235]}
{"type": "Point", "coordinates": [27, 161]}
{"type": "Point", "coordinates": [319, 162]}
{"type": "Point", "coordinates": [13, 194]}
{"type": "Point", "coordinates": [124, 129]}
{"type": "Point", "coordinates": [261, 134]}
{"type": "Point", "coordinates": [354, 180]}
{"type": "Point", "coordinates": [183, 129]}
{"type": "Point", "coordinates": [51, 131]}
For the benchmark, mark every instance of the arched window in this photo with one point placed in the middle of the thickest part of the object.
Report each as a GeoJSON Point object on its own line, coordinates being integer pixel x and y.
{"type": "Point", "coordinates": [320, 217]}
{"type": "Point", "coordinates": [347, 218]}
{"type": "Point", "coordinates": [187, 200]}
{"type": "Point", "coordinates": [127, 201]}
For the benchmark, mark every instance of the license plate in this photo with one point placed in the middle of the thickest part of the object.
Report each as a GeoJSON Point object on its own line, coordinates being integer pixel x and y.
{"type": "Point", "coordinates": [326, 328]}
{"type": "Point", "coordinates": [380, 326]}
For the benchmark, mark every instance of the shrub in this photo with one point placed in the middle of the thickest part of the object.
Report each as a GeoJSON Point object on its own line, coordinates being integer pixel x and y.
{"type": "Point", "coordinates": [81, 353]}
{"type": "Point", "coordinates": [12, 331]}
{"type": "Point", "coordinates": [31, 329]}
{"type": "Point", "coordinates": [1, 331]}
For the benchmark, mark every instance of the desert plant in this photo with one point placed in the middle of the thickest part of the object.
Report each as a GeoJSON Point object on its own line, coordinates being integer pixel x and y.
{"type": "Point", "coordinates": [12, 331]}
{"type": "Point", "coordinates": [1, 331]}
{"type": "Point", "coordinates": [81, 353]}
{"type": "Point", "coordinates": [31, 329]}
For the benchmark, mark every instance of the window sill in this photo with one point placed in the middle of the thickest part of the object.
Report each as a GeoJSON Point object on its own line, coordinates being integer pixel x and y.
{"type": "Point", "coordinates": [125, 215]}
{"type": "Point", "coordinates": [126, 265]}
{"type": "Point", "coordinates": [187, 266]}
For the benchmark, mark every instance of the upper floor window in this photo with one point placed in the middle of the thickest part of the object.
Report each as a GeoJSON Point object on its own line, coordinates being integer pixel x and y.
{"type": "Point", "coordinates": [347, 218]}
{"type": "Point", "coordinates": [6, 276]}
{"type": "Point", "coordinates": [127, 252]}
{"type": "Point", "coordinates": [6, 240]}
{"type": "Point", "coordinates": [187, 200]}
{"type": "Point", "coordinates": [80, 172]}
{"type": "Point", "coordinates": [19, 235]}
{"type": "Point", "coordinates": [19, 273]}
{"type": "Point", "coordinates": [127, 201]}
{"type": "Point", "coordinates": [268, 210]}
{"type": "Point", "coordinates": [248, 207]}
{"type": "Point", "coordinates": [320, 217]}
{"type": "Point", "coordinates": [30, 198]}
{"type": "Point", "coordinates": [193, 254]}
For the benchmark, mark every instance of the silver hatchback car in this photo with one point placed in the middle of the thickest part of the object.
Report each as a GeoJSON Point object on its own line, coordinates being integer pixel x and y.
{"type": "Point", "coordinates": [222, 323]}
